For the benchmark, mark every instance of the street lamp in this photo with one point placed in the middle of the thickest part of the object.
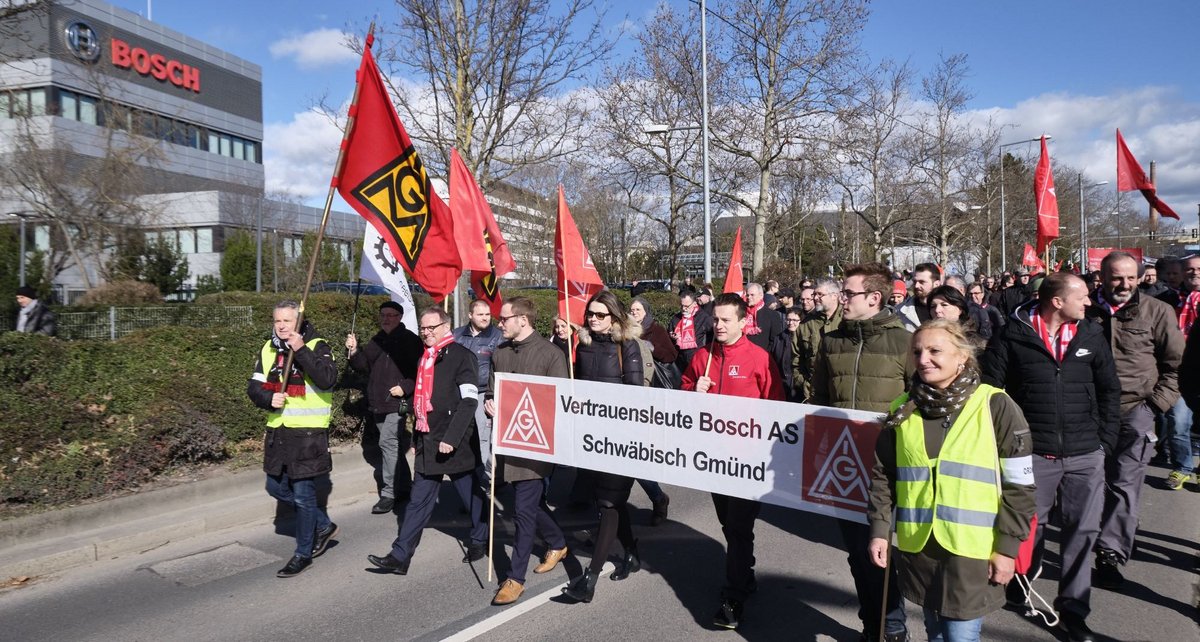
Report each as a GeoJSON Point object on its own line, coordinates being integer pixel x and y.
{"type": "Point", "coordinates": [659, 128]}
{"type": "Point", "coordinates": [1083, 243]}
{"type": "Point", "coordinates": [1003, 220]}
{"type": "Point", "coordinates": [22, 216]}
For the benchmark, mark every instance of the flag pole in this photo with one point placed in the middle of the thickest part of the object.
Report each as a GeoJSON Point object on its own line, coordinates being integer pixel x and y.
{"type": "Point", "coordinates": [354, 316]}
{"type": "Point", "coordinates": [1153, 215]}
{"type": "Point", "coordinates": [337, 169]}
{"type": "Point", "coordinates": [492, 494]}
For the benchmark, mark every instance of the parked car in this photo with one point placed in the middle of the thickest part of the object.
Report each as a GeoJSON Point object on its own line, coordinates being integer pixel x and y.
{"type": "Point", "coordinates": [350, 287]}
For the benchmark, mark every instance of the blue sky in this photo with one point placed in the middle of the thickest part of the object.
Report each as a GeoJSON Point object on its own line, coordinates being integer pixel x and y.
{"type": "Point", "coordinates": [1076, 70]}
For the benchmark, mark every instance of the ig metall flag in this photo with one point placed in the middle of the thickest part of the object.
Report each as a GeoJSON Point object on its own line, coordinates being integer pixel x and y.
{"type": "Point", "coordinates": [379, 266]}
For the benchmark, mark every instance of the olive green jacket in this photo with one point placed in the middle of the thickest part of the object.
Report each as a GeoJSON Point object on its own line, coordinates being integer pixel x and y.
{"type": "Point", "coordinates": [805, 344]}
{"type": "Point", "coordinates": [863, 365]}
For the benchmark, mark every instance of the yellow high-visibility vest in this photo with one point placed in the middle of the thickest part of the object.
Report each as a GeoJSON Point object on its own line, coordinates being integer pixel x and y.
{"type": "Point", "coordinates": [312, 411]}
{"type": "Point", "coordinates": [955, 497]}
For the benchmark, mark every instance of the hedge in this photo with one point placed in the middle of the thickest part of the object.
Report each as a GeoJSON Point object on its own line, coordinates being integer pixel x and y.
{"type": "Point", "coordinates": [83, 419]}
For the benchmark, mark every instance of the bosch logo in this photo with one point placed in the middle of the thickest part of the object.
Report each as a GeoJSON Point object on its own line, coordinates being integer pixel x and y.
{"type": "Point", "coordinates": [83, 41]}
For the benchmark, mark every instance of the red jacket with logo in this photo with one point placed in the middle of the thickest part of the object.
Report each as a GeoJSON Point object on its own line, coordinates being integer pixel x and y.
{"type": "Point", "coordinates": [741, 370]}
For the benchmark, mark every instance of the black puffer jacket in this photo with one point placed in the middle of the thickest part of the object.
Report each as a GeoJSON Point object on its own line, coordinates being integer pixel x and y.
{"type": "Point", "coordinates": [596, 360]}
{"type": "Point", "coordinates": [1072, 408]}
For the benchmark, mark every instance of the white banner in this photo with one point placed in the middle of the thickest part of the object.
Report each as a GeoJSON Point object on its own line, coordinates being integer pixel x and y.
{"type": "Point", "coordinates": [800, 456]}
{"type": "Point", "coordinates": [379, 266]}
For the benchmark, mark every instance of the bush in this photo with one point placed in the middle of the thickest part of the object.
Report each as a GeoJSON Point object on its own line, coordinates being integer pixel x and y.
{"type": "Point", "coordinates": [122, 293]}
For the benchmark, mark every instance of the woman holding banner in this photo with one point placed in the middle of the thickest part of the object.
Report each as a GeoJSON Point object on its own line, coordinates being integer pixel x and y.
{"type": "Point", "coordinates": [954, 460]}
{"type": "Point", "coordinates": [608, 352]}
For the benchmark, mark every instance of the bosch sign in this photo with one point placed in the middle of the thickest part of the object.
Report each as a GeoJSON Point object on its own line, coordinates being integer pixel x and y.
{"type": "Point", "coordinates": [155, 65]}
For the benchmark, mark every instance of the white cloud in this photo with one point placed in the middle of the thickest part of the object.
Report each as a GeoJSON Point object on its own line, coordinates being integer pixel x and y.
{"type": "Point", "coordinates": [298, 156]}
{"type": "Point", "coordinates": [319, 48]}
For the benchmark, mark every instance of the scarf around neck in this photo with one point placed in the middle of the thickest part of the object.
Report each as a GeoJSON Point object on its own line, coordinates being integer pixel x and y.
{"type": "Point", "coordinates": [685, 331]}
{"type": "Point", "coordinates": [295, 378]}
{"type": "Point", "coordinates": [752, 319]}
{"type": "Point", "coordinates": [423, 396]}
{"type": "Point", "coordinates": [933, 402]}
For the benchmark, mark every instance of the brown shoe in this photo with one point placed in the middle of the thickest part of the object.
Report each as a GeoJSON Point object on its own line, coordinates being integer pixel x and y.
{"type": "Point", "coordinates": [510, 591]}
{"type": "Point", "coordinates": [553, 557]}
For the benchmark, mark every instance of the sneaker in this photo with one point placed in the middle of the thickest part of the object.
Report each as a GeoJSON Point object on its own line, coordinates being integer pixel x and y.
{"type": "Point", "coordinates": [729, 615]}
{"type": "Point", "coordinates": [1176, 480]}
{"type": "Point", "coordinates": [295, 566]}
{"type": "Point", "coordinates": [323, 538]}
{"type": "Point", "coordinates": [1108, 570]}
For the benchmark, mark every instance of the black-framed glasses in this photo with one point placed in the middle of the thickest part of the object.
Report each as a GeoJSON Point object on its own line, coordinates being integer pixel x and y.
{"type": "Point", "coordinates": [431, 328]}
{"type": "Point", "coordinates": [850, 294]}
{"type": "Point", "coordinates": [597, 315]}
{"type": "Point", "coordinates": [504, 319]}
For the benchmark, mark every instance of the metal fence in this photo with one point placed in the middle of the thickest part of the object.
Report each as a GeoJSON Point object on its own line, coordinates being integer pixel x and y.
{"type": "Point", "coordinates": [115, 323]}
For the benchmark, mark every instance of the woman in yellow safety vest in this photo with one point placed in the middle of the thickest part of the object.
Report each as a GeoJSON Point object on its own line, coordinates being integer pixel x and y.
{"type": "Point", "coordinates": [954, 462]}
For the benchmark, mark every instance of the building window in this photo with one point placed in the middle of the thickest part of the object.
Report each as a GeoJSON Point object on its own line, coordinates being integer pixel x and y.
{"type": "Point", "coordinates": [251, 152]}
{"type": "Point", "coordinates": [187, 240]}
{"type": "Point", "coordinates": [41, 238]}
{"type": "Point", "coordinates": [37, 102]}
{"type": "Point", "coordinates": [87, 110]}
{"type": "Point", "coordinates": [69, 105]}
{"type": "Point", "coordinates": [204, 240]}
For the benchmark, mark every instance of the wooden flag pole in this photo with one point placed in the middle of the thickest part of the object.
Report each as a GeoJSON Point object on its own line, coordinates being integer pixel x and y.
{"type": "Point", "coordinates": [312, 260]}
{"type": "Point", "coordinates": [492, 495]}
{"type": "Point", "coordinates": [1153, 212]}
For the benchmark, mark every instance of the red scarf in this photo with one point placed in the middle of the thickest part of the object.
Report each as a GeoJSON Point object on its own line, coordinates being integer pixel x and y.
{"type": "Point", "coordinates": [1189, 310]}
{"type": "Point", "coordinates": [752, 319]}
{"type": "Point", "coordinates": [685, 331]}
{"type": "Point", "coordinates": [423, 397]}
{"type": "Point", "coordinates": [1066, 332]}
{"type": "Point", "coordinates": [1112, 309]}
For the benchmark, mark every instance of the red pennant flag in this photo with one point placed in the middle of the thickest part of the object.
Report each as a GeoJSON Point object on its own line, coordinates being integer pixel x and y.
{"type": "Point", "coordinates": [733, 276]}
{"type": "Point", "coordinates": [1029, 257]}
{"type": "Point", "coordinates": [1046, 199]}
{"type": "Point", "coordinates": [578, 279]}
{"type": "Point", "coordinates": [1130, 177]}
{"type": "Point", "coordinates": [383, 179]}
{"type": "Point", "coordinates": [480, 244]}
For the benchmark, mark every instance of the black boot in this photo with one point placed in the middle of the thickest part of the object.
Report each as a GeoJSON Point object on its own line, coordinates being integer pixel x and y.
{"type": "Point", "coordinates": [583, 589]}
{"type": "Point", "coordinates": [632, 563]}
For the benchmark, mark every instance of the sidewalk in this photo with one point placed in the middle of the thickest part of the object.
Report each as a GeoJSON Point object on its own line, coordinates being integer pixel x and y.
{"type": "Point", "coordinates": [60, 539]}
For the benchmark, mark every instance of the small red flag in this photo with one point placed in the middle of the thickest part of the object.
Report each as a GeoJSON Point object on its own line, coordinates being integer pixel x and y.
{"type": "Point", "coordinates": [578, 279]}
{"type": "Point", "coordinates": [733, 276]}
{"type": "Point", "coordinates": [1029, 257]}
{"type": "Point", "coordinates": [480, 244]}
{"type": "Point", "coordinates": [1046, 199]}
{"type": "Point", "coordinates": [1130, 177]}
{"type": "Point", "coordinates": [383, 179]}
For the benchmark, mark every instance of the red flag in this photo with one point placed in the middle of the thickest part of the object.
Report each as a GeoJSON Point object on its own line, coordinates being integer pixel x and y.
{"type": "Point", "coordinates": [1029, 257]}
{"type": "Point", "coordinates": [578, 279]}
{"type": "Point", "coordinates": [383, 179]}
{"type": "Point", "coordinates": [1046, 199]}
{"type": "Point", "coordinates": [733, 276]}
{"type": "Point", "coordinates": [480, 244]}
{"type": "Point", "coordinates": [1058, 266]}
{"type": "Point", "coordinates": [1130, 177]}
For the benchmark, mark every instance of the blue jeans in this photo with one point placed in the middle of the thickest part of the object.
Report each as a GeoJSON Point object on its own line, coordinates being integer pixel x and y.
{"type": "Point", "coordinates": [1178, 433]}
{"type": "Point", "coordinates": [301, 494]}
{"type": "Point", "coordinates": [940, 629]}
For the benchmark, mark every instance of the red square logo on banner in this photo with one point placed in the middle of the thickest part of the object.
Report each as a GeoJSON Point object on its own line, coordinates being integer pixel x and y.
{"type": "Point", "coordinates": [526, 416]}
{"type": "Point", "coordinates": [838, 454]}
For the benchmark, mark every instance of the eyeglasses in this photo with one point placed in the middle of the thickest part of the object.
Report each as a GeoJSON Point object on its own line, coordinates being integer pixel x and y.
{"type": "Point", "coordinates": [597, 315]}
{"type": "Point", "coordinates": [850, 294]}
{"type": "Point", "coordinates": [504, 319]}
{"type": "Point", "coordinates": [428, 329]}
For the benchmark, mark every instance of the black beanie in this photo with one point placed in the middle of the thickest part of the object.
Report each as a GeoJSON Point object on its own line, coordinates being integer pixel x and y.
{"type": "Point", "coordinates": [393, 305]}
{"type": "Point", "coordinates": [27, 291]}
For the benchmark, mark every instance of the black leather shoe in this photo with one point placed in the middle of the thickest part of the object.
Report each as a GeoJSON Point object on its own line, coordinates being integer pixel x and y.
{"type": "Point", "coordinates": [632, 563]}
{"type": "Point", "coordinates": [475, 552]}
{"type": "Point", "coordinates": [583, 588]}
{"type": "Point", "coordinates": [1108, 570]}
{"type": "Point", "coordinates": [295, 566]}
{"type": "Point", "coordinates": [389, 563]}
{"type": "Point", "coordinates": [1076, 628]}
{"type": "Point", "coordinates": [728, 615]}
{"type": "Point", "coordinates": [661, 508]}
{"type": "Point", "coordinates": [384, 505]}
{"type": "Point", "coordinates": [323, 538]}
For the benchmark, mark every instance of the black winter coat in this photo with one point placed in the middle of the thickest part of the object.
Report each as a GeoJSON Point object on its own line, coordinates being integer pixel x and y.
{"type": "Point", "coordinates": [774, 339]}
{"type": "Point", "coordinates": [703, 321]}
{"type": "Point", "coordinates": [1072, 408]}
{"type": "Point", "coordinates": [388, 360]}
{"type": "Point", "coordinates": [452, 419]}
{"type": "Point", "coordinates": [596, 360]}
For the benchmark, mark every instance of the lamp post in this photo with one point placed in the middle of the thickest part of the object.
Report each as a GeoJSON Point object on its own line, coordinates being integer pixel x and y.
{"type": "Point", "coordinates": [1003, 219]}
{"type": "Point", "coordinates": [22, 216]}
{"type": "Point", "coordinates": [1083, 241]}
{"type": "Point", "coordinates": [704, 145]}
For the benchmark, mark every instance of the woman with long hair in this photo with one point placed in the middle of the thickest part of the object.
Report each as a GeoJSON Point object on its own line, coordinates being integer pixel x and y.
{"type": "Point", "coordinates": [608, 352]}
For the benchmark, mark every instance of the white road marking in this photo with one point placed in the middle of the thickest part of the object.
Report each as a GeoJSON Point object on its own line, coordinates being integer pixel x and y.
{"type": "Point", "coordinates": [525, 605]}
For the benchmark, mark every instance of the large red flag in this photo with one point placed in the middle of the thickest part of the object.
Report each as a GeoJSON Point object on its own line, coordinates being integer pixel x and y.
{"type": "Point", "coordinates": [578, 279]}
{"type": "Point", "coordinates": [1046, 199]}
{"type": "Point", "coordinates": [480, 244]}
{"type": "Point", "coordinates": [1029, 258]}
{"type": "Point", "coordinates": [733, 276]}
{"type": "Point", "coordinates": [383, 179]}
{"type": "Point", "coordinates": [1130, 177]}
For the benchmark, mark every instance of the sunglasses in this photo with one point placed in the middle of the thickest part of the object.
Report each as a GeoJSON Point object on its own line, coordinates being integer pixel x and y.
{"type": "Point", "coordinates": [597, 315]}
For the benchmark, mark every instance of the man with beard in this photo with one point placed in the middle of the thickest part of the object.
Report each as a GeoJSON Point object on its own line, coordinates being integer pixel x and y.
{"type": "Point", "coordinates": [914, 310]}
{"type": "Point", "coordinates": [390, 362]}
{"type": "Point", "coordinates": [1147, 348]}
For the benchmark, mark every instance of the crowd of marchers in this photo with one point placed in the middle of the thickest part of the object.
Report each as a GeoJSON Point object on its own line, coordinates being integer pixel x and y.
{"type": "Point", "coordinates": [1011, 402]}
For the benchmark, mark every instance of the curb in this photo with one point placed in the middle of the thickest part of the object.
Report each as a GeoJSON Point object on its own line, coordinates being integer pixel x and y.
{"type": "Point", "coordinates": [61, 539]}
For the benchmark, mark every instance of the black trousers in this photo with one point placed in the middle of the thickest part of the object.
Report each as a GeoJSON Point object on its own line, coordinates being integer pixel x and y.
{"type": "Point", "coordinates": [533, 518]}
{"type": "Point", "coordinates": [868, 582]}
{"type": "Point", "coordinates": [422, 502]}
{"type": "Point", "coordinates": [737, 516]}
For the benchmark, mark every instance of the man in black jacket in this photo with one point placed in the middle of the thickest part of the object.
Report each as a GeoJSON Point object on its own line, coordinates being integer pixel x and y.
{"type": "Point", "coordinates": [765, 328]}
{"type": "Point", "coordinates": [34, 317]}
{"type": "Point", "coordinates": [444, 401]}
{"type": "Point", "coordinates": [296, 454]}
{"type": "Point", "coordinates": [1058, 367]}
{"type": "Point", "coordinates": [691, 328]}
{"type": "Point", "coordinates": [390, 362]}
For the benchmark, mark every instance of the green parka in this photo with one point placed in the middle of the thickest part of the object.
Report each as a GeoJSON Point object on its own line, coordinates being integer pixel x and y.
{"type": "Point", "coordinates": [863, 365]}
{"type": "Point", "coordinates": [805, 345]}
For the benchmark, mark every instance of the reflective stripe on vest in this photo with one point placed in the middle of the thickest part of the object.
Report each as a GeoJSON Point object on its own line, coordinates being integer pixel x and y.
{"type": "Point", "coordinates": [955, 497]}
{"type": "Point", "coordinates": [313, 410]}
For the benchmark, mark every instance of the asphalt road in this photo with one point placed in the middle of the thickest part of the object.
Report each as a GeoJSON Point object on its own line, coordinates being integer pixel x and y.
{"type": "Point", "coordinates": [223, 586]}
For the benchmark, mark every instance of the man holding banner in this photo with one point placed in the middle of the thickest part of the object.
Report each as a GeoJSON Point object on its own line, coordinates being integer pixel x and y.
{"type": "Point", "coordinates": [732, 365]}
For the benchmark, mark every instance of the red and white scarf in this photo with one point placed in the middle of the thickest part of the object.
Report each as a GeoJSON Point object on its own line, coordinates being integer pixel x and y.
{"type": "Point", "coordinates": [423, 397]}
{"type": "Point", "coordinates": [685, 331]}
{"type": "Point", "coordinates": [1189, 310]}
{"type": "Point", "coordinates": [1066, 332]}
{"type": "Point", "coordinates": [1112, 309]}
{"type": "Point", "coordinates": [752, 319]}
